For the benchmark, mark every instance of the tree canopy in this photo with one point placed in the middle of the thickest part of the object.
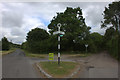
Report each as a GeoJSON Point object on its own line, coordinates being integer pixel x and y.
{"type": "Point", "coordinates": [112, 15]}
{"type": "Point", "coordinates": [5, 44]}
{"type": "Point", "coordinates": [112, 22]}
{"type": "Point", "coordinates": [36, 39]}
{"type": "Point", "coordinates": [97, 39]}
{"type": "Point", "coordinates": [73, 24]}
{"type": "Point", "coordinates": [37, 34]}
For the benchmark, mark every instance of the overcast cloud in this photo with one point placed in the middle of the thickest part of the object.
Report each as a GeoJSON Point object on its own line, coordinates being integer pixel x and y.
{"type": "Point", "coordinates": [19, 18]}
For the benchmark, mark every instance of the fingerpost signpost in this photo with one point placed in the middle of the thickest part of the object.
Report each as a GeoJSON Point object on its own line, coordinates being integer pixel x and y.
{"type": "Point", "coordinates": [86, 45]}
{"type": "Point", "coordinates": [60, 34]}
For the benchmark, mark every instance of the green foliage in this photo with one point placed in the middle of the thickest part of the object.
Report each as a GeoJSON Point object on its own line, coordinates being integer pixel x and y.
{"type": "Point", "coordinates": [36, 40]}
{"type": "Point", "coordinates": [73, 24]}
{"type": "Point", "coordinates": [112, 19]}
{"type": "Point", "coordinates": [109, 34]}
{"type": "Point", "coordinates": [76, 35]}
{"type": "Point", "coordinates": [111, 42]}
{"type": "Point", "coordinates": [112, 15]}
{"type": "Point", "coordinates": [37, 34]}
{"type": "Point", "coordinates": [94, 41]}
{"type": "Point", "coordinates": [91, 46]}
{"type": "Point", "coordinates": [112, 46]}
{"type": "Point", "coordinates": [5, 44]}
{"type": "Point", "coordinates": [24, 46]}
{"type": "Point", "coordinates": [119, 47]}
{"type": "Point", "coordinates": [97, 40]}
{"type": "Point", "coordinates": [52, 43]}
{"type": "Point", "coordinates": [13, 45]}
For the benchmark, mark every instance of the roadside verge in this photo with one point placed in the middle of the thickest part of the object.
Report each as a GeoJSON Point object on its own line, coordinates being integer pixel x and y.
{"type": "Point", "coordinates": [7, 52]}
{"type": "Point", "coordinates": [67, 72]}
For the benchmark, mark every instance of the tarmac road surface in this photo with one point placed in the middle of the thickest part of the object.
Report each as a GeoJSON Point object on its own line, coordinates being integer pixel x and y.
{"type": "Point", "coordinates": [17, 65]}
{"type": "Point", "coordinates": [100, 65]}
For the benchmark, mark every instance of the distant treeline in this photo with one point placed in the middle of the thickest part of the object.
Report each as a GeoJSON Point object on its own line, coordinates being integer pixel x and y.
{"type": "Point", "coordinates": [6, 45]}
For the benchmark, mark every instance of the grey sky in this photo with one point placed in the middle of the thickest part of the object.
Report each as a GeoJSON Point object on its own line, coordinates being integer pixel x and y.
{"type": "Point", "coordinates": [19, 18]}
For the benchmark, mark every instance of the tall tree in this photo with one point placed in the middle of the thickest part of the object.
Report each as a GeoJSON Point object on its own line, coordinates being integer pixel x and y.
{"type": "Point", "coordinates": [112, 19]}
{"type": "Point", "coordinates": [5, 44]}
{"type": "Point", "coordinates": [36, 39]}
{"type": "Point", "coordinates": [73, 24]}
{"type": "Point", "coordinates": [37, 34]}
{"type": "Point", "coordinates": [112, 16]}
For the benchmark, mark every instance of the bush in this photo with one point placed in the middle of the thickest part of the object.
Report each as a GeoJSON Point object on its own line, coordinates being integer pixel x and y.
{"type": "Point", "coordinates": [5, 44]}
{"type": "Point", "coordinates": [112, 46]}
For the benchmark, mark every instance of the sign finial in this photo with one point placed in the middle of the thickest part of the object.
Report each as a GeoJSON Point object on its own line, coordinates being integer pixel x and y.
{"type": "Point", "coordinates": [59, 25]}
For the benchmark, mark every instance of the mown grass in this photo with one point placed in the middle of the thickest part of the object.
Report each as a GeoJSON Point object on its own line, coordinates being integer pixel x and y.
{"type": "Point", "coordinates": [77, 54]}
{"type": "Point", "coordinates": [80, 55]}
{"type": "Point", "coordinates": [44, 55]}
{"type": "Point", "coordinates": [8, 52]}
{"type": "Point", "coordinates": [52, 68]}
{"type": "Point", "coordinates": [37, 55]}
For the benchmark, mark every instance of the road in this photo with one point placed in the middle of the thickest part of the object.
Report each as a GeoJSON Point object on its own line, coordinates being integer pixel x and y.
{"type": "Point", "coordinates": [17, 65]}
{"type": "Point", "coordinates": [100, 65]}
{"type": "Point", "coordinates": [104, 66]}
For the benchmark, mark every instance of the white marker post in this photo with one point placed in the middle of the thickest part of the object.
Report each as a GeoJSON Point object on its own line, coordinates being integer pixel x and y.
{"type": "Point", "coordinates": [86, 45]}
{"type": "Point", "coordinates": [59, 33]}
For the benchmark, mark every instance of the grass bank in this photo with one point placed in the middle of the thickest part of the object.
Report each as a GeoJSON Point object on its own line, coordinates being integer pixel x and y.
{"type": "Point", "coordinates": [68, 53]}
{"type": "Point", "coordinates": [80, 55]}
{"type": "Point", "coordinates": [59, 71]}
{"type": "Point", "coordinates": [8, 52]}
{"type": "Point", "coordinates": [37, 55]}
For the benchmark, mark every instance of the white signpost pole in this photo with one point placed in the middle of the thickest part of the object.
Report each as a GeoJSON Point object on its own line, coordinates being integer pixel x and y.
{"type": "Point", "coordinates": [59, 25]}
{"type": "Point", "coordinates": [59, 35]}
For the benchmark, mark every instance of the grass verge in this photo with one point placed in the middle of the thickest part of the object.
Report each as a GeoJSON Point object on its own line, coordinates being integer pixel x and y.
{"type": "Point", "coordinates": [76, 54]}
{"type": "Point", "coordinates": [58, 71]}
{"type": "Point", "coordinates": [8, 52]}
{"type": "Point", "coordinates": [30, 54]}
{"type": "Point", "coordinates": [80, 55]}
